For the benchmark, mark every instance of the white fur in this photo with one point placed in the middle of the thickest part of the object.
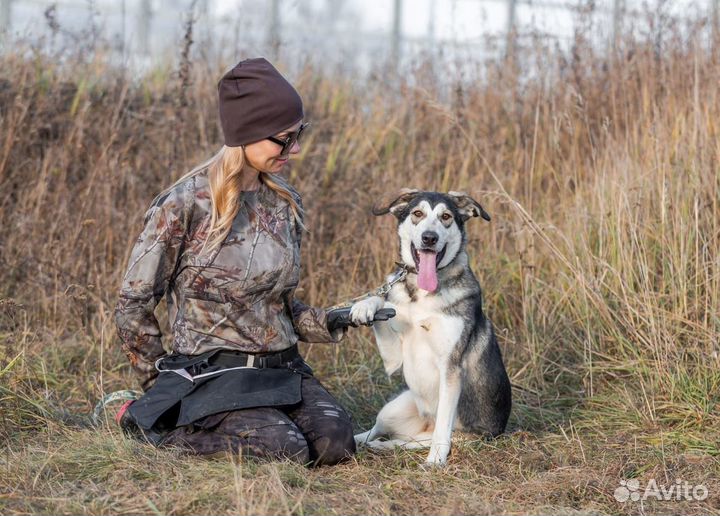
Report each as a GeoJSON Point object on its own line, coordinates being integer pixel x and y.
{"type": "Point", "coordinates": [420, 339]}
{"type": "Point", "coordinates": [363, 311]}
{"type": "Point", "coordinates": [388, 344]}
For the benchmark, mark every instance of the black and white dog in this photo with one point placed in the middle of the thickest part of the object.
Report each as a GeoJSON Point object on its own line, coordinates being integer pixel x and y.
{"type": "Point", "coordinates": [440, 336]}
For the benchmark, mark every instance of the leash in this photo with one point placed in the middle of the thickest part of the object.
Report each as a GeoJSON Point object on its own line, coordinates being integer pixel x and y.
{"type": "Point", "coordinates": [398, 275]}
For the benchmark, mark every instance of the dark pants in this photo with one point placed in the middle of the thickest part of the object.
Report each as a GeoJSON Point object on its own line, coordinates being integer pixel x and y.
{"type": "Point", "coordinates": [317, 430]}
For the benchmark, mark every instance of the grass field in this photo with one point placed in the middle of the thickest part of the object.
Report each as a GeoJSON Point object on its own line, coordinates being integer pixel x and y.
{"type": "Point", "coordinates": [600, 270]}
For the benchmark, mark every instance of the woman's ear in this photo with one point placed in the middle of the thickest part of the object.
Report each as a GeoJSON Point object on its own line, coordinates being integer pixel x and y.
{"type": "Point", "coordinates": [467, 206]}
{"type": "Point", "coordinates": [397, 206]}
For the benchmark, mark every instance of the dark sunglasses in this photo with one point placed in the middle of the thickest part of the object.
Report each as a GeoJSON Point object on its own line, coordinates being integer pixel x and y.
{"type": "Point", "coordinates": [288, 142]}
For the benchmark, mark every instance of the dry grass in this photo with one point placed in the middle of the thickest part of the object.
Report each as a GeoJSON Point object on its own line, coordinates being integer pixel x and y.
{"type": "Point", "coordinates": [601, 272]}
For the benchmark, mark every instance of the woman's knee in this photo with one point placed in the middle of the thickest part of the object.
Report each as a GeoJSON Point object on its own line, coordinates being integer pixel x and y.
{"type": "Point", "coordinates": [335, 444]}
{"type": "Point", "coordinates": [266, 433]}
{"type": "Point", "coordinates": [293, 446]}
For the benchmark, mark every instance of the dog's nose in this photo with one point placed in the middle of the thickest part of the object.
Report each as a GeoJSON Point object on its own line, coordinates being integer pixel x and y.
{"type": "Point", "coordinates": [429, 238]}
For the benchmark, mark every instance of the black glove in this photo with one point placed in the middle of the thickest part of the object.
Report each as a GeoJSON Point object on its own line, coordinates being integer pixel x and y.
{"type": "Point", "coordinates": [340, 317]}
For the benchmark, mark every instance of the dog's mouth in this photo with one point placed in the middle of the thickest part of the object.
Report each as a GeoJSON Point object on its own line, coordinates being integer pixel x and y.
{"type": "Point", "coordinates": [426, 263]}
{"type": "Point", "coordinates": [438, 256]}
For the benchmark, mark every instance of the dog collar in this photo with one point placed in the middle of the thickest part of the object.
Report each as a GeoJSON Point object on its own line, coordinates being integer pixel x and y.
{"type": "Point", "coordinates": [405, 269]}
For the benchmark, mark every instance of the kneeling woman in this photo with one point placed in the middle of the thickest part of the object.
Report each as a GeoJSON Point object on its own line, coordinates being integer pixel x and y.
{"type": "Point", "coordinates": [224, 244]}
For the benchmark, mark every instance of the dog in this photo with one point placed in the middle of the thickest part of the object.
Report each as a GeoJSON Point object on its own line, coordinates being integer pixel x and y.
{"type": "Point", "coordinates": [440, 336]}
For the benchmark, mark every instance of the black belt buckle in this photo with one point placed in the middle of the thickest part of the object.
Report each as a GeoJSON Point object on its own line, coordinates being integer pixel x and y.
{"type": "Point", "coordinates": [179, 361]}
{"type": "Point", "coordinates": [273, 360]}
{"type": "Point", "coordinates": [228, 358]}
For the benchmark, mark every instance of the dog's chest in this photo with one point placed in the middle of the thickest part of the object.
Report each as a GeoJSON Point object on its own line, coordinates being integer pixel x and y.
{"type": "Point", "coordinates": [428, 337]}
{"type": "Point", "coordinates": [423, 325]}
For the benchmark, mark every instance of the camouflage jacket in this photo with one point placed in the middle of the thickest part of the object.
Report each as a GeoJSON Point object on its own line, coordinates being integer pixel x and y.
{"type": "Point", "coordinates": [239, 296]}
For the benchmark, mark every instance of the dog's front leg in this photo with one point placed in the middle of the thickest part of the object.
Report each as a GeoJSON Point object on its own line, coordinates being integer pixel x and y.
{"type": "Point", "coordinates": [445, 418]}
{"type": "Point", "coordinates": [363, 311]}
{"type": "Point", "coordinates": [389, 344]}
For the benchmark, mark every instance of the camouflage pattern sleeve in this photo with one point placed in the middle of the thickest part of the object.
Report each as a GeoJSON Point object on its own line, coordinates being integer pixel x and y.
{"type": "Point", "coordinates": [311, 324]}
{"type": "Point", "coordinates": [150, 269]}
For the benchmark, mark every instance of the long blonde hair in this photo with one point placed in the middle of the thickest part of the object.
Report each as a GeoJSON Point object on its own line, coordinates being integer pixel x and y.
{"type": "Point", "coordinates": [225, 170]}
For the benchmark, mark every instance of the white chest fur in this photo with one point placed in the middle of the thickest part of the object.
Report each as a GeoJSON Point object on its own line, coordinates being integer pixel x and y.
{"type": "Point", "coordinates": [426, 337]}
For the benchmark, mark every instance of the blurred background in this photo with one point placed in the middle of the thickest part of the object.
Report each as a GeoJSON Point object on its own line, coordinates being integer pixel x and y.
{"type": "Point", "coordinates": [353, 35]}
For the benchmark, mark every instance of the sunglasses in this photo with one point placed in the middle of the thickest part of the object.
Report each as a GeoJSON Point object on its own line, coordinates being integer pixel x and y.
{"type": "Point", "coordinates": [288, 142]}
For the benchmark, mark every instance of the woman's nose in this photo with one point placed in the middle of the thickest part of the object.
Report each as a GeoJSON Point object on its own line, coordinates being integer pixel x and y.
{"type": "Point", "coordinates": [295, 148]}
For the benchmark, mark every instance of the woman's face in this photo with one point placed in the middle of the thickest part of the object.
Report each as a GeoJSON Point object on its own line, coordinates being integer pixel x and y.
{"type": "Point", "coordinates": [265, 154]}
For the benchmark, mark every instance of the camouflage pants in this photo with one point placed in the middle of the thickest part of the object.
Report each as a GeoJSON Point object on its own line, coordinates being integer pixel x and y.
{"type": "Point", "coordinates": [317, 430]}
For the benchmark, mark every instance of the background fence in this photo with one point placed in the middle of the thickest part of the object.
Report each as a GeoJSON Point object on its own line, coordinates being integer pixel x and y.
{"type": "Point", "coordinates": [350, 34]}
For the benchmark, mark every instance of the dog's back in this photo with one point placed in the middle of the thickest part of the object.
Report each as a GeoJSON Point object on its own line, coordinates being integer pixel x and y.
{"type": "Point", "coordinates": [485, 398]}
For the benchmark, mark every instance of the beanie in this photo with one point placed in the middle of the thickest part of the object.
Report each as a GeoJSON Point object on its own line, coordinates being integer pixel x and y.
{"type": "Point", "coordinates": [256, 101]}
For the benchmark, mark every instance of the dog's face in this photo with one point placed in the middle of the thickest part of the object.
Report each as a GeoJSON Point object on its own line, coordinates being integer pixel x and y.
{"type": "Point", "coordinates": [431, 226]}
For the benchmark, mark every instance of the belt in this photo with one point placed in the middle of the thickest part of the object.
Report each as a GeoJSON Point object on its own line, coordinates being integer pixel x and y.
{"type": "Point", "coordinates": [226, 358]}
{"type": "Point", "coordinates": [192, 367]}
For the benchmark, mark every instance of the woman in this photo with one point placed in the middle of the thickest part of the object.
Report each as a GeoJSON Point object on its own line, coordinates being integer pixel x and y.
{"type": "Point", "coordinates": [223, 245]}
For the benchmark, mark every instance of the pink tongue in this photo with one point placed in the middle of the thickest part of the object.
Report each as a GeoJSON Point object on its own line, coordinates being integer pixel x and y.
{"type": "Point", "coordinates": [427, 275]}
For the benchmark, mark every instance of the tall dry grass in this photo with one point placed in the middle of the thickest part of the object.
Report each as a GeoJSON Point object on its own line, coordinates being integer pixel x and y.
{"type": "Point", "coordinates": [600, 270]}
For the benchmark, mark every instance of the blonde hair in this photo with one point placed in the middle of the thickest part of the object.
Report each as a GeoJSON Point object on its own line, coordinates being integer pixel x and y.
{"type": "Point", "coordinates": [225, 171]}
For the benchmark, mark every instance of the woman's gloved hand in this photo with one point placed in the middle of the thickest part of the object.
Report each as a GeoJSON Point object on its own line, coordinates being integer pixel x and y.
{"type": "Point", "coordinates": [340, 318]}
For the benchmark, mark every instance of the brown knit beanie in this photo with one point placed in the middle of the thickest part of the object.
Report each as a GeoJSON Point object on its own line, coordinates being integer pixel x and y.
{"type": "Point", "coordinates": [255, 102]}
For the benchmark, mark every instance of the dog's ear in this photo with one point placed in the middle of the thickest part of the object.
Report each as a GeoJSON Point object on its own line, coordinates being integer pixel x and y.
{"type": "Point", "coordinates": [468, 207]}
{"type": "Point", "coordinates": [398, 205]}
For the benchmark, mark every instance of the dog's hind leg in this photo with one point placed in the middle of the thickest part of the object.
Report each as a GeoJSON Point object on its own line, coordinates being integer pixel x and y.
{"type": "Point", "coordinates": [364, 437]}
{"type": "Point", "coordinates": [399, 420]}
{"type": "Point", "coordinates": [422, 440]}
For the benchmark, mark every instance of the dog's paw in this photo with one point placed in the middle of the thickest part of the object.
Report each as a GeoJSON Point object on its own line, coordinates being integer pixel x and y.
{"type": "Point", "coordinates": [438, 455]}
{"type": "Point", "coordinates": [363, 311]}
{"type": "Point", "coordinates": [431, 466]}
{"type": "Point", "coordinates": [363, 438]}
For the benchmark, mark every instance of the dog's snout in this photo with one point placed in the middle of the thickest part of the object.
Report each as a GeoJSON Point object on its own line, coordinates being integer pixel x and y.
{"type": "Point", "coordinates": [429, 238]}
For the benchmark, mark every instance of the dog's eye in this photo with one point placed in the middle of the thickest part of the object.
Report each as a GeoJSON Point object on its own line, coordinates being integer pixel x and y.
{"type": "Point", "coordinates": [418, 213]}
{"type": "Point", "coordinates": [445, 216]}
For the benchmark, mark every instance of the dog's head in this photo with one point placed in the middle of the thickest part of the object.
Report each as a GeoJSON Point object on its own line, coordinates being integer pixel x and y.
{"type": "Point", "coordinates": [431, 226]}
